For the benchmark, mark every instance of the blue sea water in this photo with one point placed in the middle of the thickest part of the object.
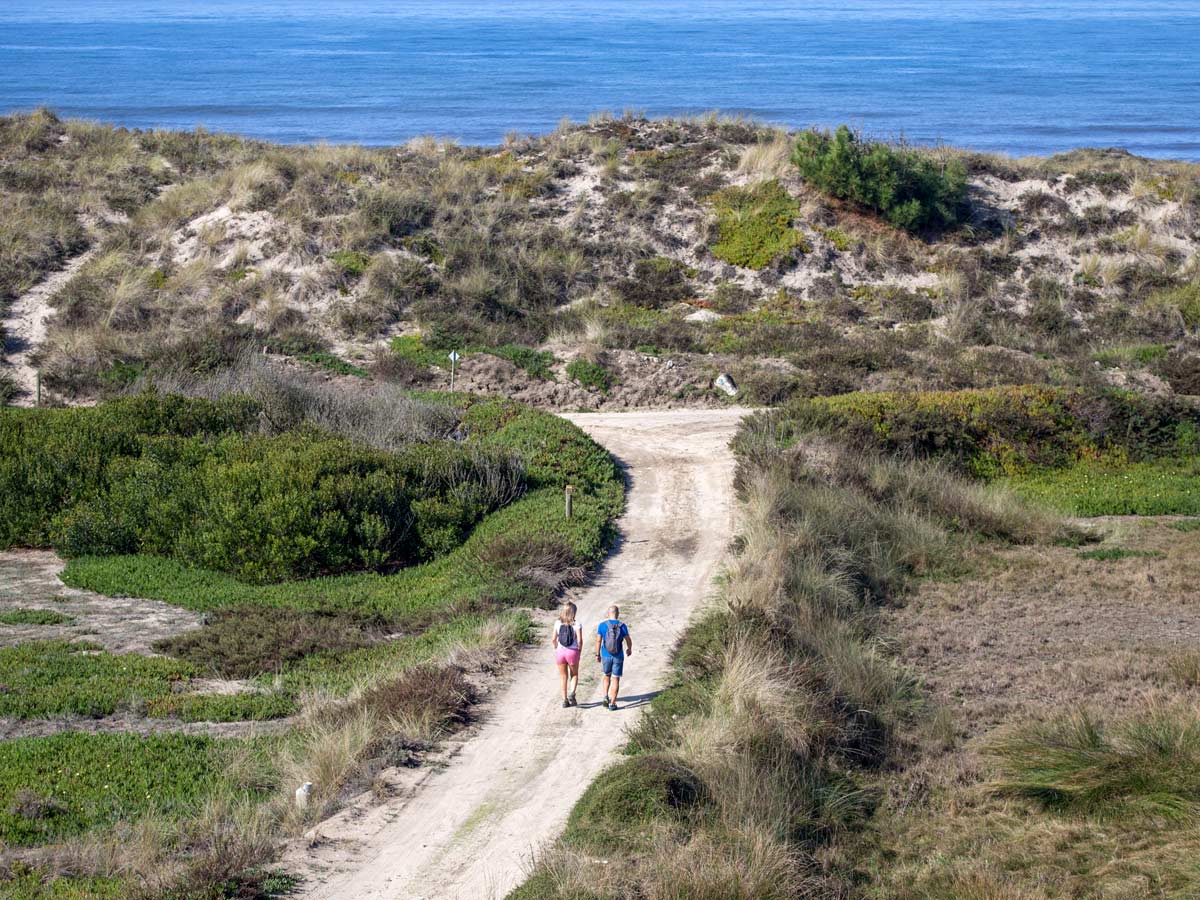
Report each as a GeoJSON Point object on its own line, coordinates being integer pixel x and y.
{"type": "Point", "coordinates": [1007, 75]}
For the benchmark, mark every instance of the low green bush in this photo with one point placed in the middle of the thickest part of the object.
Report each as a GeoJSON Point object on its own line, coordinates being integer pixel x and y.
{"type": "Point", "coordinates": [26, 883]}
{"type": "Point", "coordinates": [1001, 431]}
{"type": "Point", "coordinates": [536, 362]}
{"type": "Point", "coordinates": [625, 800]}
{"type": "Point", "coordinates": [55, 787]}
{"type": "Point", "coordinates": [657, 282]}
{"type": "Point", "coordinates": [910, 189]}
{"type": "Point", "coordinates": [351, 262]}
{"type": "Point", "coordinates": [334, 364]}
{"type": "Point", "coordinates": [23, 616]}
{"type": "Point", "coordinates": [590, 375]}
{"type": "Point", "coordinates": [263, 507]}
{"type": "Point", "coordinates": [755, 224]}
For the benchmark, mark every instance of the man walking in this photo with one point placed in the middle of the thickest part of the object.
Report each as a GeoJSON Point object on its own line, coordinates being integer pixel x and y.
{"type": "Point", "coordinates": [613, 644]}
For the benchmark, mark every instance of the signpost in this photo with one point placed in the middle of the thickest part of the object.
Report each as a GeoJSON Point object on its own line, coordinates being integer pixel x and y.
{"type": "Point", "coordinates": [454, 358]}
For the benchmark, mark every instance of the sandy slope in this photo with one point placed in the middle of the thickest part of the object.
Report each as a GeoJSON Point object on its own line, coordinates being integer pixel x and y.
{"type": "Point", "coordinates": [468, 829]}
{"type": "Point", "coordinates": [25, 326]}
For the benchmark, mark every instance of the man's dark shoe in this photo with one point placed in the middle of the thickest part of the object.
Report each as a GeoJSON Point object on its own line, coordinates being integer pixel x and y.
{"type": "Point", "coordinates": [566, 704]}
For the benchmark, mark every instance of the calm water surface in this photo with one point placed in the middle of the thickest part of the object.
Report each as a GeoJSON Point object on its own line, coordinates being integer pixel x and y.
{"type": "Point", "coordinates": [1019, 77]}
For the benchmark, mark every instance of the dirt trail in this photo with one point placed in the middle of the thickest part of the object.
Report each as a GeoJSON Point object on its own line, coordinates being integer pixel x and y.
{"type": "Point", "coordinates": [469, 828]}
{"type": "Point", "coordinates": [25, 326]}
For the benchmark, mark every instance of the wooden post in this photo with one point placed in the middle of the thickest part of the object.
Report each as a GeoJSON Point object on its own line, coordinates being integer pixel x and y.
{"type": "Point", "coordinates": [37, 379]}
{"type": "Point", "coordinates": [570, 494]}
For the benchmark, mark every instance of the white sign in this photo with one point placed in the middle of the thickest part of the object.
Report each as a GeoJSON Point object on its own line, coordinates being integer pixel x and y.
{"type": "Point", "coordinates": [454, 357]}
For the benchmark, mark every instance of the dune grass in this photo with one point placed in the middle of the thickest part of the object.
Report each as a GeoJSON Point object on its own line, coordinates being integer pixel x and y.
{"type": "Point", "coordinates": [762, 754]}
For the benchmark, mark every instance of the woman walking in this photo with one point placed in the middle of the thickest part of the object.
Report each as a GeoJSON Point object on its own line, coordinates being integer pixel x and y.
{"type": "Point", "coordinates": [568, 643]}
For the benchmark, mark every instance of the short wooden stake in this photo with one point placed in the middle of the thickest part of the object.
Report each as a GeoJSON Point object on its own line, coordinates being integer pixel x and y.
{"type": "Point", "coordinates": [570, 496]}
{"type": "Point", "coordinates": [37, 379]}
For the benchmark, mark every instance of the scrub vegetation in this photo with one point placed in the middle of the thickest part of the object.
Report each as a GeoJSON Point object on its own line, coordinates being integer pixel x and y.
{"type": "Point", "coordinates": [803, 264]}
{"type": "Point", "coordinates": [867, 708]}
{"type": "Point", "coordinates": [917, 679]}
{"type": "Point", "coordinates": [369, 666]}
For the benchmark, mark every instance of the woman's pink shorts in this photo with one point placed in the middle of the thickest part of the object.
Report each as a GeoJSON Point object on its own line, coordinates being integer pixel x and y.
{"type": "Point", "coordinates": [568, 655]}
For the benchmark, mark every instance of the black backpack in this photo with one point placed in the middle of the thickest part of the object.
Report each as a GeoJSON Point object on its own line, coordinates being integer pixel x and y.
{"type": "Point", "coordinates": [566, 635]}
{"type": "Point", "coordinates": [612, 637]}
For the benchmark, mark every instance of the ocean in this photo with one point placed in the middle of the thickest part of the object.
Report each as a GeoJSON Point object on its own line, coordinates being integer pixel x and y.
{"type": "Point", "coordinates": [1004, 75]}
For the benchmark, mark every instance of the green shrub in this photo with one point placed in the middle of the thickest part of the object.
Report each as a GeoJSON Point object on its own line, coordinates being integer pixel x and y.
{"type": "Point", "coordinates": [656, 282]}
{"type": "Point", "coordinates": [55, 787]}
{"type": "Point", "coordinates": [536, 362]}
{"type": "Point", "coordinates": [754, 224]}
{"type": "Point", "coordinates": [1138, 769]}
{"type": "Point", "coordinates": [334, 364]}
{"type": "Point", "coordinates": [265, 508]}
{"type": "Point", "coordinates": [412, 348]}
{"type": "Point", "coordinates": [908, 188]}
{"type": "Point", "coordinates": [351, 262]}
{"type": "Point", "coordinates": [24, 616]}
{"type": "Point", "coordinates": [1008, 430]}
{"type": "Point", "coordinates": [624, 801]}
{"type": "Point", "coordinates": [590, 375]}
{"type": "Point", "coordinates": [50, 460]}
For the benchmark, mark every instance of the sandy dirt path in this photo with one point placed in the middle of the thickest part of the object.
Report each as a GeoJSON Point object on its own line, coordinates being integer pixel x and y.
{"type": "Point", "coordinates": [469, 828]}
{"type": "Point", "coordinates": [25, 326]}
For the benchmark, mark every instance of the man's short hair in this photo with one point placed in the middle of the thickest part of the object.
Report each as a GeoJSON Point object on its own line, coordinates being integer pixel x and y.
{"type": "Point", "coordinates": [614, 611]}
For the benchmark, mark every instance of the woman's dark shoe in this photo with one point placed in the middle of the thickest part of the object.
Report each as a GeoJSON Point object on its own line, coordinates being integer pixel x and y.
{"type": "Point", "coordinates": [566, 704]}
{"type": "Point", "coordinates": [571, 700]}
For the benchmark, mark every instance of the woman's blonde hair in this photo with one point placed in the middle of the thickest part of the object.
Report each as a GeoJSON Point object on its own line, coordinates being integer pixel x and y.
{"type": "Point", "coordinates": [566, 613]}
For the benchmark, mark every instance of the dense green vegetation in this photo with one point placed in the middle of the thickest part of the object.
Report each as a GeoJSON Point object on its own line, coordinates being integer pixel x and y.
{"type": "Point", "coordinates": [54, 787]}
{"type": "Point", "coordinates": [262, 507]}
{"type": "Point", "coordinates": [333, 636]}
{"type": "Point", "coordinates": [589, 374]}
{"type": "Point", "coordinates": [1004, 430]}
{"type": "Point", "coordinates": [44, 679]}
{"type": "Point", "coordinates": [909, 188]}
{"type": "Point", "coordinates": [755, 224]}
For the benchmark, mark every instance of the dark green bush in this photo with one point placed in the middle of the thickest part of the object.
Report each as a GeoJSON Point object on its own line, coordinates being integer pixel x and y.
{"type": "Point", "coordinates": [51, 460]}
{"type": "Point", "coordinates": [908, 188]}
{"type": "Point", "coordinates": [171, 477]}
{"type": "Point", "coordinates": [656, 282]}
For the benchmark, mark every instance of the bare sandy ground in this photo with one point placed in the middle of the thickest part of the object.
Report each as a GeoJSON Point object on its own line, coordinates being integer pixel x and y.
{"type": "Point", "coordinates": [468, 828]}
{"type": "Point", "coordinates": [25, 326]}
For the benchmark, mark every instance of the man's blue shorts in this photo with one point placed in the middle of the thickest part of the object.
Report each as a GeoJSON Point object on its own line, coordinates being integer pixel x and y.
{"type": "Point", "coordinates": [613, 664]}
